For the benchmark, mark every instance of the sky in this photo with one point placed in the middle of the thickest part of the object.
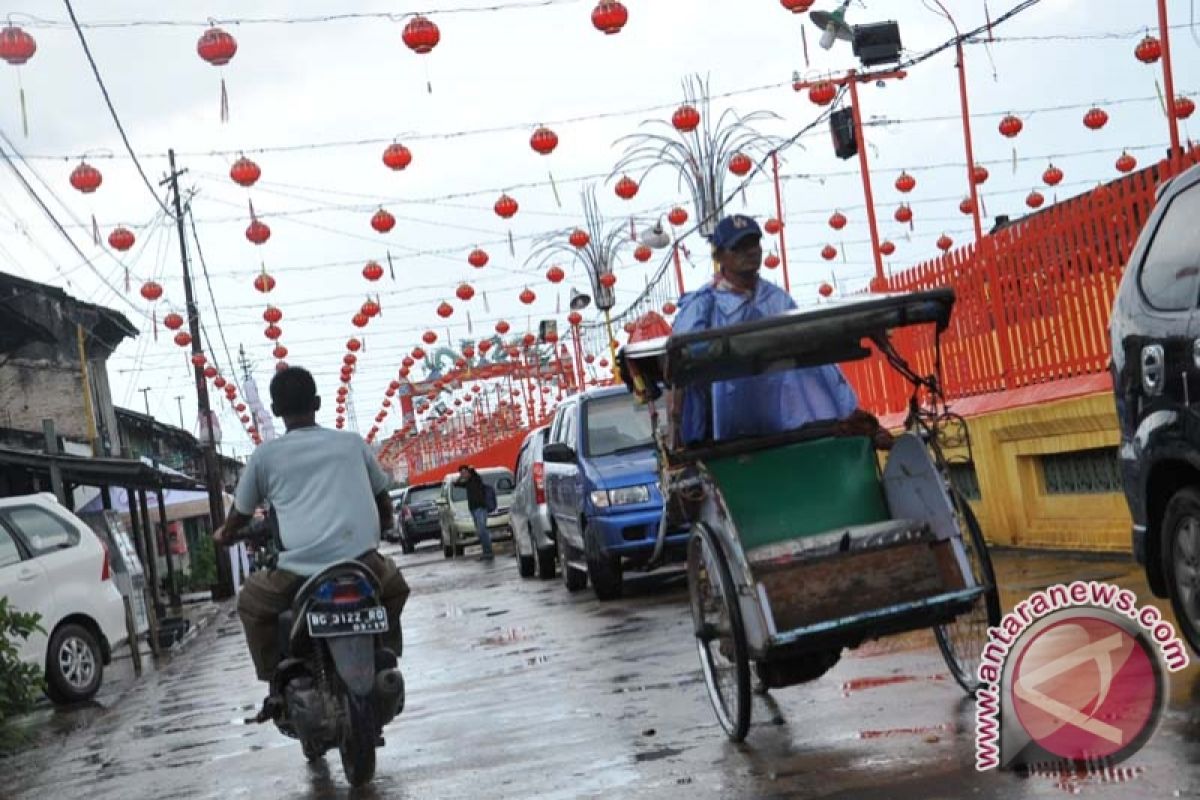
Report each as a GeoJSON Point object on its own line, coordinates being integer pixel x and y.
{"type": "Point", "coordinates": [315, 103]}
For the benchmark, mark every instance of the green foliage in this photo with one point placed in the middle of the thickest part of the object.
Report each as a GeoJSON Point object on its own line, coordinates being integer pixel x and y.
{"type": "Point", "coordinates": [20, 683]}
{"type": "Point", "coordinates": [203, 566]}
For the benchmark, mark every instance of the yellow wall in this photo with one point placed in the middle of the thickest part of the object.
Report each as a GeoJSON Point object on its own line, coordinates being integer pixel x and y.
{"type": "Point", "coordinates": [1014, 509]}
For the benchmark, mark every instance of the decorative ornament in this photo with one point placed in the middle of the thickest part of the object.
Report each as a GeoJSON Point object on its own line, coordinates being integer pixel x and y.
{"type": "Point", "coordinates": [372, 271]}
{"type": "Point", "coordinates": [904, 213]}
{"type": "Point", "coordinates": [543, 141]}
{"type": "Point", "coordinates": [173, 321]}
{"type": "Point", "coordinates": [1034, 199]}
{"type": "Point", "coordinates": [383, 221]}
{"type": "Point", "coordinates": [360, 320]}
{"type": "Point", "coordinates": [1148, 50]}
{"type": "Point", "coordinates": [505, 207]}
{"type": "Point", "coordinates": [829, 252]}
{"type": "Point", "coordinates": [526, 296]}
{"type": "Point", "coordinates": [272, 315]}
{"type": "Point", "coordinates": [1126, 163]}
{"type": "Point", "coordinates": [86, 178]}
{"type": "Point", "coordinates": [822, 93]}
{"type": "Point", "coordinates": [579, 238]}
{"type": "Point", "coordinates": [668, 308]}
{"type": "Point", "coordinates": [837, 220]}
{"type": "Point", "coordinates": [353, 345]}
{"type": "Point", "coordinates": [677, 216]}
{"type": "Point", "coordinates": [183, 338]}
{"type": "Point", "coordinates": [980, 174]}
{"type": "Point", "coordinates": [464, 292]}
{"type": "Point", "coordinates": [607, 280]}
{"type": "Point", "coordinates": [444, 309]}
{"type": "Point", "coordinates": [642, 253]}
{"type": "Point", "coordinates": [626, 188]}
{"type": "Point", "coordinates": [1010, 126]}
{"type": "Point", "coordinates": [397, 156]}
{"type": "Point", "coordinates": [280, 352]}
{"type": "Point", "coordinates": [421, 35]}
{"type": "Point", "coordinates": [686, 118]}
{"type": "Point", "coordinates": [502, 327]}
{"type": "Point", "coordinates": [886, 247]}
{"type": "Point", "coordinates": [273, 332]}
{"type": "Point", "coordinates": [773, 226]}
{"type": "Point", "coordinates": [121, 239]}
{"type": "Point", "coordinates": [555, 274]}
{"type": "Point", "coordinates": [1052, 176]}
{"type": "Point", "coordinates": [477, 258]}
{"type": "Point", "coordinates": [944, 243]}
{"type": "Point", "coordinates": [771, 261]}
{"type": "Point", "coordinates": [574, 319]}
{"type": "Point", "coordinates": [905, 183]}
{"type": "Point", "coordinates": [151, 291]}
{"type": "Point", "coordinates": [258, 231]}
{"type": "Point", "coordinates": [740, 165]}
{"type": "Point", "coordinates": [245, 172]}
{"type": "Point", "coordinates": [825, 290]}
{"type": "Point", "coordinates": [217, 48]}
{"type": "Point", "coordinates": [17, 47]}
{"type": "Point", "coordinates": [1184, 107]}
{"type": "Point", "coordinates": [264, 283]}
{"type": "Point", "coordinates": [966, 206]}
{"type": "Point", "coordinates": [609, 16]}
{"type": "Point", "coordinates": [1095, 119]}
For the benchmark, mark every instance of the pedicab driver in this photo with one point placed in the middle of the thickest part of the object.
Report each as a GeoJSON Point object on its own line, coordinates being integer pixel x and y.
{"type": "Point", "coordinates": [761, 404]}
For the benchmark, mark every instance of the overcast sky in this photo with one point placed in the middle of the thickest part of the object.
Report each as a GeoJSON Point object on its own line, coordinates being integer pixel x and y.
{"type": "Point", "coordinates": [340, 81]}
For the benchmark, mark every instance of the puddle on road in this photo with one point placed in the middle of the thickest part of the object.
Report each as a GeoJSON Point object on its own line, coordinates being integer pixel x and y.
{"type": "Point", "coordinates": [450, 612]}
{"type": "Point", "coordinates": [657, 755]}
{"type": "Point", "coordinates": [861, 684]}
{"type": "Point", "coordinates": [923, 730]}
{"type": "Point", "coordinates": [505, 636]}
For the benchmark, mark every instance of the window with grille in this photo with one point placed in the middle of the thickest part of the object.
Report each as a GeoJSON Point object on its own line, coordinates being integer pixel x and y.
{"type": "Point", "coordinates": [964, 480]}
{"type": "Point", "coordinates": [1094, 471]}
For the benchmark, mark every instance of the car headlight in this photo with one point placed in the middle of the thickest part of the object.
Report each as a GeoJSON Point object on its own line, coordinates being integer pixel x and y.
{"type": "Point", "coordinates": [600, 499]}
{"type": "Point", "coordinates": [629, 495]}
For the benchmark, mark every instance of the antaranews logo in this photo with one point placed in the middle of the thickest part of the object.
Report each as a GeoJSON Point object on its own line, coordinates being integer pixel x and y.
{"type": "Point", "coordinates": [1074, 676]}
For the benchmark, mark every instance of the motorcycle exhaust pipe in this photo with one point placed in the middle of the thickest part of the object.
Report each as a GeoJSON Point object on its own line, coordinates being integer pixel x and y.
{"type": "Point", "coordinates": [389, 694]}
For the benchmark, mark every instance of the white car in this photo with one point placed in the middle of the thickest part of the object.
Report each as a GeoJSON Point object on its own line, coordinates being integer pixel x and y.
{"type": "Point", "coordinates": [458, 527]}
{"type": "Point", "coordinates": [54, 565]}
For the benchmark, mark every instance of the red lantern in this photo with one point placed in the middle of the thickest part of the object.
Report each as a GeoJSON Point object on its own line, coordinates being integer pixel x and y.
{"type": "Point", "coordinates": [829, 252]}
{"type": "Point", "coordinates": [349, 359]}
{"type": "Point", "coordinates": [626, 188]}
{"type": "Point", "coordinates": [86, 178]}
{"type": "Point", "coordinates": [444, 309]}
{"type": "Point", "coordinates": [372, 271]}
{"type": "Point", "coordinates": [121, 239]}
{"type": "Point", "coordinates": [1010, 126]}
{"type": "Point", "coordinates": [740, 165]}
{"type": "Point", "coordinates": [421, 35]}
{"type": "Point", "coordinates": [944, 243]}
{"type": "Point", "coordinates": [642, 253]}
{"type": "Point", "coordinates": [796, 6]}
{"type": "Point", "coordinates": [464, 292]}
{"type": "Point", "coordinates": [273, 332]}
{"type": "Point", "coordinates": [353, 345]}
{"type": "Point", "coordinates": [668, 308]}
{"type": "Point", "coordinates": [210, 372]}
{"type": "Point", "coordinates": [16, 46]}
{"type": "Point", "coordinates": [1126, 163]}
{"type": "Point", "coordinates": [1035, 199]}
{"type": "Point", "coordinates": [219, 382]}
{"type": "Point", "coordinates": [360, 320]}
{"type": "Point", "coordinates": [280, 352]}
{"type": "Point", "coordinates": [589, 358]}
{"type": "Point", "coordinates": [555, 274]}
{"type": "Point", "coordinates": [574, 318]}
{"type": "Point", "coordinates": [1148, 50]}
{"type": "Point", "coordinates": [579, 238]}
{"type": "Point", "coordinates": [1095, 119]}
{"type": "Point", "coordinates": [272, 315]}
{"type": "Point", "coordinates": [1184, 107]}
{"type": "Point", "coordinates": [773, 226]}
{"type": "Point", "coordinates": [383, 221]}
{"type": "Point", "coordinates": [173, 321]}
{"type": "Point", "coordinates": [397, 156]}
{"type": "Point", "coordinates": [677, 216]}
{"type": "Point", "coordinates": [771, 261]}
{"type": "Point", "coordinates": [151, 291]}
{"type": "Point", "coordinates": [686, 118]}
{"type": "Point", "coordinates": [904, 213]}
{"type": "Point", "coordinates": [543, 141]}
{"type": "Point", "coordinates": [485, 346]}
{"type": "Point", "coordinates": [183, 338]}
{"type": "Point", "coordinates": [822, 93]}
{"type": "Point", "coordinates": [258, 232]}
{"type": "Point", "coordinates": [837, 220]}
{"type": "Point", "coordinates": [886, 247]}
{"type": "Point", "coordinates": [477, 258]}
{"type": "Point", "coordinates": [199, 360]}
{"type": "Point", "coordinates": [1052, 176]}
{"type": "Point", "coordinates": [608, 280]}
{"type": "Point", "coordinates": [245, 172]}
{"type": "Point", "coordinates": [505, 207]}
{"type": "Point", "coordinates": [216, 47]}
{"type": "Point", "coordinates": [905, 183]}
{"type": "Point", "coordinates": [825, 290]}
{"type": "Point", "coordinates": [979, 174]}
{"type": "Point", "coordinates": [264, 283]}
{"type": "Point", "coordinates": [502, 327]}
{"type": "Point", "coordinates": [528, 339]}
{"type": "Point", "coordinates": [527, 296]}
{"type": "Point", "coordinates": [609, 16]}
{"type": "Point", "coordinates": [966, 206]}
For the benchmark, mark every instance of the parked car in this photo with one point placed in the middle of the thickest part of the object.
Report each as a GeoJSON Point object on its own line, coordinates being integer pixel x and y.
{"type": "Point", "coordinates": [602, 489]}
{"type": "Point", "coordinates": [532, 537]}
{"type": "Point", "coordinates": [418, 517]}
{"type": "Point", "coordinates": [397, 498]}
{"type": "Point", "coordinates": [1155, 333]}
{"type": "Point", "coordinates": [54, 565]}
{"type": "Point", "coordinates": [457, 527]}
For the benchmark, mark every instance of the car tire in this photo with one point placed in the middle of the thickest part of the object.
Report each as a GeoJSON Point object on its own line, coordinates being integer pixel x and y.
{"type": "Point", "coordinates": [460, 549]}
{"type": "Point", "coordinates": [74, 665]}
{"type": "Point", "coordinates": [604, 569]}
{"type": "Point", "coordinates": [407, 546]}
{"type": "Point", "coordinates": [545, 563]}
{"type": "Point", "coordinates": [447, 551]}
{"type": "Point", "coordinates": [525, 563]}
{"type": "Point", "coordinates": [1181, 561]}
{"type": "Point", "coordinates": [574, 579]}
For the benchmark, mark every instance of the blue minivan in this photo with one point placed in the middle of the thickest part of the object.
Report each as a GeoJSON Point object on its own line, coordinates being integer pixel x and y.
{"type": "Point", "coordinates": [602, 489]}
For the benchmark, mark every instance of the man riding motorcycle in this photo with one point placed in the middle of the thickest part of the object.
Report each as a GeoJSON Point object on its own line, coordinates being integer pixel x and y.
{"type": "Point", "coordinates": [330, 498]}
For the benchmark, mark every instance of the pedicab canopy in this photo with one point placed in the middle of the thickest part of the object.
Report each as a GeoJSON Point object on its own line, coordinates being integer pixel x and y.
{"type": "Point", "coordinates": [832, 333]}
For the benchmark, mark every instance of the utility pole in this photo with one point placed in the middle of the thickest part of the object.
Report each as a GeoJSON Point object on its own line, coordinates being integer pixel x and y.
{"type": "Point", "coordinates": [212, 473]}
{"type": "Point", "coordinates": [179, 402]}
{"type": "Point", "coordinates": [146, 398]}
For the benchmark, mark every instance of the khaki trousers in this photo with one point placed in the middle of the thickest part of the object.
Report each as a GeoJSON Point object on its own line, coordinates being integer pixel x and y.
{"type": "Point", "coordinates": [267, 594]}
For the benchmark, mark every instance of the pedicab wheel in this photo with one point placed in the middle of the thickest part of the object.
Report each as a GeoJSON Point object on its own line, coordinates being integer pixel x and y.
{"type": "Point", "coordinates": [962, 641]}
{"type": "Point", "coordinates": [720, 634]}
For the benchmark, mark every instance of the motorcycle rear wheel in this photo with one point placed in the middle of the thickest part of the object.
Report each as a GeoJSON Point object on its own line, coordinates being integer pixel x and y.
{"type": "Point", "coordinates": [357, 747]}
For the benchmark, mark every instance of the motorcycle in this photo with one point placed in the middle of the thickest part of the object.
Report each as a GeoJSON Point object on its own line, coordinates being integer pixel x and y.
{"type": "Point", "coordinates": [336, 685]}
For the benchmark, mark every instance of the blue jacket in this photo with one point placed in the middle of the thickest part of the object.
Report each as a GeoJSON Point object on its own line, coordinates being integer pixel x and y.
{"type": "Point", "coordinates": [762, 404]}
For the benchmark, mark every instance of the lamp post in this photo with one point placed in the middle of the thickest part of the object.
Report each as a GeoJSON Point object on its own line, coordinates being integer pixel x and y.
{"type": "Point", "coordinates": [1164, 36]}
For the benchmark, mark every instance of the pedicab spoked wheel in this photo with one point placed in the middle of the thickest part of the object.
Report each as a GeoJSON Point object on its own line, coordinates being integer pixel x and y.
{"type": "Point", "coordinates": [720, 634]}
{"type": "Point", "coordinates": [962, 641]}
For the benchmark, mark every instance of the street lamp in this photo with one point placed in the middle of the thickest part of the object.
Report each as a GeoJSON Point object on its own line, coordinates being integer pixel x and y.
{"type": "Point", "coordinates": [833, 24]}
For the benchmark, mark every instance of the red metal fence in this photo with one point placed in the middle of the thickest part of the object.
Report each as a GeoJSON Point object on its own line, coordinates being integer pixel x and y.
{"type": "Point", "coordinates": [1033, 299]}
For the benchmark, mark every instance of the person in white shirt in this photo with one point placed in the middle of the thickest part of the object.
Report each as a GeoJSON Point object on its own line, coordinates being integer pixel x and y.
{"type": "Point", "coordinates": [330, 498]}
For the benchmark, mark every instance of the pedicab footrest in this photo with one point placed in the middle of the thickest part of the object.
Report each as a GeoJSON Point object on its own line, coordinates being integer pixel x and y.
{"type": "Point", "coordinates": [849, 571]}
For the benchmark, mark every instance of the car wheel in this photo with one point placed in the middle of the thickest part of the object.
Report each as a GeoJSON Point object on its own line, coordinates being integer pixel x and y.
{"type": "Point", "coordinates": [447, 551]}
{"type": "Point", "coordinates": [604, 569]}
{"type": "Point", "coordinates": [74, 665]}
{"type": "Point", "coordinates": [1181, 561]}
{"type": "Point", "coordinates": [460, 549]}
{"type": "Point", "coordinates": [525, 563]}
{"type": "Point", "coordinates": [573, 579]}
{"type": "Point", "coordinates": [406, 545]}
{"type": "Point", "coordinates": [545, 562]}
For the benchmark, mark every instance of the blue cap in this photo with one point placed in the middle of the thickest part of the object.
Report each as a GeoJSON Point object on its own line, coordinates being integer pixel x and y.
{"type": "Point", "coordinates": [732, 230]}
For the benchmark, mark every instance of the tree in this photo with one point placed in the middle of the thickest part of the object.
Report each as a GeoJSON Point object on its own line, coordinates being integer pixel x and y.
{"type": "Point", "coordinates": [20, 683]}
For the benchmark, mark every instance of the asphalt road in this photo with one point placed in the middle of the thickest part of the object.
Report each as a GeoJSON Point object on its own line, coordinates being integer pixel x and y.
{"type": "Point", "coordinates": [517, 689]}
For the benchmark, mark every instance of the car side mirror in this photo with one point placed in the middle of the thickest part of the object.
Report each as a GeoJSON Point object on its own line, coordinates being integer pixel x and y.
{"type": "Point", "coordinates": [558, 453]}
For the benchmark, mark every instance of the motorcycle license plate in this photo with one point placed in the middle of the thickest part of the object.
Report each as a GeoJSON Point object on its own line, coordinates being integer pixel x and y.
{"type": "Point", "coordinates": [346, 623]}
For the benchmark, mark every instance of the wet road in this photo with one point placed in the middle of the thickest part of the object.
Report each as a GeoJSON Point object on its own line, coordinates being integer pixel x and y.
{"type": "Point", "coordinates": [518, 689]}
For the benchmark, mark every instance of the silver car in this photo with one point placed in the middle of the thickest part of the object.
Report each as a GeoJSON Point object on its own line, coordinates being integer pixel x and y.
{"type": "Point", "coordinates": [529, 515]}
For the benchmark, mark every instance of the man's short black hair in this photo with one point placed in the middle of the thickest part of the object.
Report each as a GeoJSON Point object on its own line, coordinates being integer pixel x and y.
{"type": "Point", "coordinates": [293, 392]}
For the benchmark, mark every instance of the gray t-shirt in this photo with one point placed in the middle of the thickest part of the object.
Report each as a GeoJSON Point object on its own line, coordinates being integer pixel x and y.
{"type": "Point", "coordinates": [322, 484]}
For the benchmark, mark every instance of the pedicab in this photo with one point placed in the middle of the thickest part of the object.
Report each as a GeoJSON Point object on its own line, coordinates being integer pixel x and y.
{"type": "Point", "coordinates": [811, 541]}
